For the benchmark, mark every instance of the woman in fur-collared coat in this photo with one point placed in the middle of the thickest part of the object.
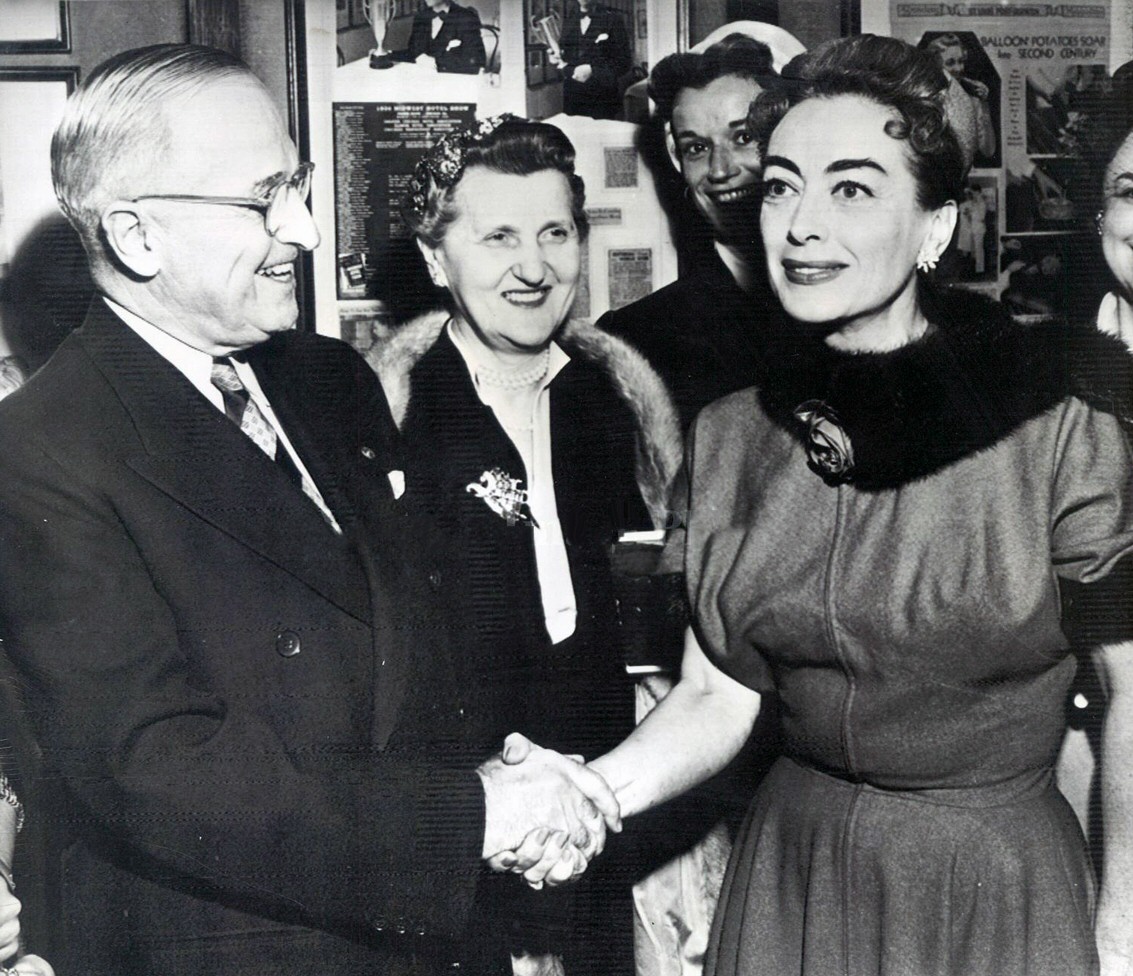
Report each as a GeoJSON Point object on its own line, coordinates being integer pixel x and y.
{"type": "Point", "coordinates": [571, 694]}
{"type": "Point", "coordinates": [534, 442]}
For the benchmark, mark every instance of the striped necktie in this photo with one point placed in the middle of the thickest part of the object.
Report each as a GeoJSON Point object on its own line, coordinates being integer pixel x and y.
{"type": "Point", "coordinates": [241, 409]}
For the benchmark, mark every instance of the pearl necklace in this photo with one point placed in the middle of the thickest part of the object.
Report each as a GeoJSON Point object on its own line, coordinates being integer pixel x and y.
{"type": "Point", "coordinates": [515, 379]}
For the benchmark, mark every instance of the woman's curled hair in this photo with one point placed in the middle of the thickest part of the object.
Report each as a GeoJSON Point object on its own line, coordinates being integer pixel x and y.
{"type": "Point", "coordinates": [896, 76]}
{"type": "Point", "coordinates": [504, 144]}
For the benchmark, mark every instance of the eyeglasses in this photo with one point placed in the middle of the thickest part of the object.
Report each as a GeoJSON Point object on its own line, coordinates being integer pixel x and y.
{"type": "Point", "coordinates": [272, 203]}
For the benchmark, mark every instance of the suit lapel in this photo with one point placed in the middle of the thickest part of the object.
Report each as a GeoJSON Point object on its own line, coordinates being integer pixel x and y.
{"type": "Point", "coordinates": [197, 457]}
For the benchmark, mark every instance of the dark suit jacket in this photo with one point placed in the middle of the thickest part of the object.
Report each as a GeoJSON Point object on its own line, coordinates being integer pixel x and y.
{"type": "Point", "coordinates": [228, 691]}
{"type": "Point", "coordinates": [697, 333]}
{"type": "Point", "coordinates": [462, 24]}
{"type": "Point", "coordinates": [609, 58]}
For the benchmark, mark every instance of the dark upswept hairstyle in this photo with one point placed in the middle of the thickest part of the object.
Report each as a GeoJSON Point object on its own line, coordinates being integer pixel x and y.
{"type": "Point", "coordinates": [735, 55]}
{"type": "Point", "coordinates": [511, 145]}
{"type": "Point", "coordinates": [896, 76]}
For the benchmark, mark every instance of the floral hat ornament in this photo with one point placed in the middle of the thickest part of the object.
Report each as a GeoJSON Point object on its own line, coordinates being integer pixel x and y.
{"type": "Point", "coordinates": [443, 162]}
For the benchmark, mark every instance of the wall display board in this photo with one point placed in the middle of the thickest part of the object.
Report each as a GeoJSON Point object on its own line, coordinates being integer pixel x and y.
{"type": "Point", "coordinates": [376, 146]}
{"type": "Point", "coordinates": [1037, 77]}
{"type": "Point", "coordinates": [367, 126]}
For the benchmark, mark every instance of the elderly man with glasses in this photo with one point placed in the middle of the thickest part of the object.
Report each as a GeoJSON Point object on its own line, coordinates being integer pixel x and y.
{"type": "Point", "coordinates": [215, 592]}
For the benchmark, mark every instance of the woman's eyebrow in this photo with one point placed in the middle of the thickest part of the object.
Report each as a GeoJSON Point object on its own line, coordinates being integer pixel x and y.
{"type": "Point", "coordinates": [841, 165]}
{"type": "Point", "coordinates": [781, 161]}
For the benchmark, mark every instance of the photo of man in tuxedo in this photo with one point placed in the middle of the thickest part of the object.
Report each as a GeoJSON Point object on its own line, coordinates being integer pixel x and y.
{"type": "Point", "coordinates": [449, 35]}
{"type": "Point", "coordinates": [595, 55]}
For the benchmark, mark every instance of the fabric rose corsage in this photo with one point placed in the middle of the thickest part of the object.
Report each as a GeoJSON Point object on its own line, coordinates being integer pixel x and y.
{"type": "Point", "coordinates": [828, 449]}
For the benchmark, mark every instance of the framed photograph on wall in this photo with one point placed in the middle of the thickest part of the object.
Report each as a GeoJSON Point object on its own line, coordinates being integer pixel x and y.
{"type": "Point", "coordinates": [34, 26]}
{"type": "Point", "coordinates": [31, 102]}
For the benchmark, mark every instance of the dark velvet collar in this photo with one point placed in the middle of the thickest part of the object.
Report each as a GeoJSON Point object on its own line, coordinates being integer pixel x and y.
{"type": "Point", "coordinates": [880, 420]}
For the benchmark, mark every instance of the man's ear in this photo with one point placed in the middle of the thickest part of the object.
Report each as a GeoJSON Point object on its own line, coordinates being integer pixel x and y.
{"type": "Point", "coordinates": [131, 239]}
{"type": "Point", "coordinates": [433, 263]}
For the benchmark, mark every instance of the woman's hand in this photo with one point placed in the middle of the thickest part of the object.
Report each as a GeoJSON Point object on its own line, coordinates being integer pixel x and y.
{"type": "Point", "coordinates": [546, 856]}
{"type": "Point", "coordinates": [976, 88]}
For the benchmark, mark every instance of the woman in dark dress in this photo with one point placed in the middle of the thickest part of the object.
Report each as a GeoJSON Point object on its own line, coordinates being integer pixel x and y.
{"type": "Point", "coordinates": [900, 533]}
{"type": "Point", "coordinates": [534, 441]}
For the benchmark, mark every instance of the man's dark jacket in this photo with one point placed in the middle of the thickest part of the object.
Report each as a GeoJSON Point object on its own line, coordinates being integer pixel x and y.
{"type": "Point", "coordinates": [605, 47]}
{"type": "Point", "coordinates": [458, 47]}
{"type": "Point", "coordinates": [240, 707]}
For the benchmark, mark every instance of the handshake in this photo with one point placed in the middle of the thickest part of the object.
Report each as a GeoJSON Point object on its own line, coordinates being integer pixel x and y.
{"type": "Point", "coordinates": [546, 814]}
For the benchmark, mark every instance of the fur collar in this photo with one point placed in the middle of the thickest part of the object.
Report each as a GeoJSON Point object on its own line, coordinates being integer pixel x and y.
{"type": "Point", "coordinates": [660, 444]}
{"type": "Point", "coordinates": [976, 377]}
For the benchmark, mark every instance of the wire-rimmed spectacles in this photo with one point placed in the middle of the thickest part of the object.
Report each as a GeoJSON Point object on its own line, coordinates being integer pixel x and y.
{"type": "Point", "coordinates": [272, 204]}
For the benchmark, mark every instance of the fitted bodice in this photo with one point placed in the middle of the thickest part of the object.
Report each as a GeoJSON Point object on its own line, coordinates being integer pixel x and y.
{"type": "Point", "coordinates": [913, 635]}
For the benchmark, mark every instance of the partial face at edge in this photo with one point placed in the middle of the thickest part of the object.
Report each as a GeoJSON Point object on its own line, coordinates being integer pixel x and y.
{"type": "Point", "coordinates": [1117, 217]}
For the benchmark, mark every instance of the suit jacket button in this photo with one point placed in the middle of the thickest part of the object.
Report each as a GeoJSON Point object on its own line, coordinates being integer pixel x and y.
{"type": "Point", "coordinates": [287, 643]}
{"type": "Point", "coordinates": [435, 579]}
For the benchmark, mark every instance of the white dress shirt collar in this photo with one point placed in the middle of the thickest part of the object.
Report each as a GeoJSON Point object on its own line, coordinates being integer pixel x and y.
{"type": "Point", "coordinates": [196, 367]}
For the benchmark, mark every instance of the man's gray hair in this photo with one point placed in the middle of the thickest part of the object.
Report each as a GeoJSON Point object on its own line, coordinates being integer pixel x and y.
{"type": "Point", "coordinates": [114, 133]}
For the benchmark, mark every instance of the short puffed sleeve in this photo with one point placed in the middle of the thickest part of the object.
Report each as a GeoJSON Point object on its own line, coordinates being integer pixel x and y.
{"type": "Point", "coordinates": [1092, 526]}
{"type": "Point", "coordinates": [715, 458]}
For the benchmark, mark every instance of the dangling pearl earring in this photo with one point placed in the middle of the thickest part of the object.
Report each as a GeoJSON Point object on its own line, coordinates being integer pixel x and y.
{"type": "Point", "coordinates": [1099, 222]}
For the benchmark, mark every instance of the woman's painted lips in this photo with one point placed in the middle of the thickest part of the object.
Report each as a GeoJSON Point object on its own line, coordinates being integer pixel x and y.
{"type": "Point", "coordinates": [811, 272]}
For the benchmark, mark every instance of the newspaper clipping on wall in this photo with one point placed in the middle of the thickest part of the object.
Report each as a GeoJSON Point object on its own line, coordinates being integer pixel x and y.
{"type": "Point", "coordinates": [1037, 78]}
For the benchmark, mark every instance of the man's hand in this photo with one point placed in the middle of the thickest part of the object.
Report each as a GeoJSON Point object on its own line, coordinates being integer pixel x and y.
{"type": "Point", "coordinates": [536, 797]}
{"type": "Point", "coordinates": [582, 72]}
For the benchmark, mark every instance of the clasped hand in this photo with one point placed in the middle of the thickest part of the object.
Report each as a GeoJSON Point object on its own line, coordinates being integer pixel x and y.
{"type": "Point", "coordinates": [546, 814]}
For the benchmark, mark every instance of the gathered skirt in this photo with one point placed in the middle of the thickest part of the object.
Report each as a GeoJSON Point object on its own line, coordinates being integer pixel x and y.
{"type": "Point", "coordinates": [836, 878]}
